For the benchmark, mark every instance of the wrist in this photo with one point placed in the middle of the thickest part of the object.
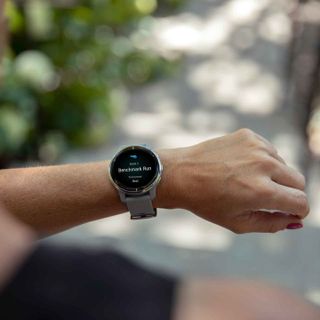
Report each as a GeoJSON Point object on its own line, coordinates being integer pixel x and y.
{"type": "Point", "coordinates": [168, 189]}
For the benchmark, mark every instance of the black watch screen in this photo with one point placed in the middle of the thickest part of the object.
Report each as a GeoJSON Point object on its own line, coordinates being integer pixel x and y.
{"type": "Point", "coordinates": [134, 168]}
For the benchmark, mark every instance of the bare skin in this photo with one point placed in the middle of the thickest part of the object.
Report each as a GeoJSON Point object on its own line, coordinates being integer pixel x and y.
{"type": "Point", "coordinates": [16, 242]}
{"type": "Point", "coordinates": [230, 180]}
{"type": "Point", "coordinates": [227, 181]}
{"type": "Point", "coordinates": [226, 299]}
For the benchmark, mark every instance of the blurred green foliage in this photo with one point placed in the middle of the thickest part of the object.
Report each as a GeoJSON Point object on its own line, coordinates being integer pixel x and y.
{"type": "Point", "coordinates": [61, 76]}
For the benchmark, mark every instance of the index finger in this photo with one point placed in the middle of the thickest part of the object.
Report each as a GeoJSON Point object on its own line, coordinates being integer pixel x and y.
{"type": "Point", "coordinates": [286, 199]}
{"type": "Point", "coordinates": [289, 177]}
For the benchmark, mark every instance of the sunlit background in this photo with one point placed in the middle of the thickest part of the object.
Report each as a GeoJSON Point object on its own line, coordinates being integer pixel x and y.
{"type": "Point", "coordinates": [83, 78]}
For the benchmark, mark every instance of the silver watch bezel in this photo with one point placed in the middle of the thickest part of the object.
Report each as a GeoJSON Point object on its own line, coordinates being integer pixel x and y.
{"type": "Point", "coordinates": [137, 191]}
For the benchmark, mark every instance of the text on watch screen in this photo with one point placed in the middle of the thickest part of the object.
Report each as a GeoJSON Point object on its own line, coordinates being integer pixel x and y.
{"type": "Point", "coordinates": [135, 168]}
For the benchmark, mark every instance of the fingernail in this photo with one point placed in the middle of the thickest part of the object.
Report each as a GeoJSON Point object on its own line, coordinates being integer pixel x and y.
{"type": "Point", "coordinates": [294, 226]}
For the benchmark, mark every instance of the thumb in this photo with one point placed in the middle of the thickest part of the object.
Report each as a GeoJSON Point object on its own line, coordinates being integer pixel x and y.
{"type": "Point", "coordinates": [267, 222]}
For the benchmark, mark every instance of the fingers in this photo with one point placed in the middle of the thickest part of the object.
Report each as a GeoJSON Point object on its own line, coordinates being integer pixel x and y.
{"type": "Point", "coordinates": [286, 180]}
{"type": "Point", "coordinates": [271, 150]}
{"type": "Point", "coordinates": [289, 177]}
{"type": "Point", "coordinates": [285, 199]}
{"type": "Point", "coordinates": [266, 222]}
{"type": "Point", "coordinates": [276, 156]}
{"type": "Point", "coordinates": [283, 174]}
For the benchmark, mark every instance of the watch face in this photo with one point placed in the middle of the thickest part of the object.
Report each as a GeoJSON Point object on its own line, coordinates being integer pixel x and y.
{"type": "Point", "coordinates": [135, 168]}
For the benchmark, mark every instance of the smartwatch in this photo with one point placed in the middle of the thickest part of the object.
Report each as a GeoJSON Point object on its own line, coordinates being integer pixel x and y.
{"type": "Point", "coordinates": [135, 171]}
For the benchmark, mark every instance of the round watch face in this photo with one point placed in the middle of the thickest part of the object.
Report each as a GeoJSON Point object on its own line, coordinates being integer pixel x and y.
{"type": "Point", "coordinates": [135, 168]}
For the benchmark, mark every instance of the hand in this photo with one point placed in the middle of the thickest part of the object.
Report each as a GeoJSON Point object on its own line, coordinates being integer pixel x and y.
{"type": "Point", "coordinates": [16, 241]}
{"type": "Point", "coordinates": [233, 181]}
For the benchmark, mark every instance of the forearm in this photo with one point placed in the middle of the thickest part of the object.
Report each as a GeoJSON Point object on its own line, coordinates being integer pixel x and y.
{"type": "Point", "coordinates": [55, 198]}
{"type": "Point", "coordinates": [51, 199]}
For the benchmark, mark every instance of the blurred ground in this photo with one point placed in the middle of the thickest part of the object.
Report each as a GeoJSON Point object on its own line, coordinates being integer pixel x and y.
{"type": "Point", "coordinates": [234, 75]}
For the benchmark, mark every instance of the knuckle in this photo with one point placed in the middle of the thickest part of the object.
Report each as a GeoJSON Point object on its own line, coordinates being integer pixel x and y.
{"type": "Point", "coordinates": [257, 146]}
{"type": "Point", "coordinates": [236, 229]}
{"type": "Point", "coordinates": [269, 149]}
{"type": "Point", "coordinates": [273, 228]}
{"type": "Point", "coordinates": [270, 164]}
{"type": "Point", "coordinates": [273, 149]}
{"type": "Point", "coordinates": [266, 163]}
{"type": "Point", "coordinates": [261, 146]}
{"type": "Point", "coordinates": [302, 203]}
{"type": "Point", "coordinates": [246, 132]}
{"type": "Point", "coordinates": [302, 180]}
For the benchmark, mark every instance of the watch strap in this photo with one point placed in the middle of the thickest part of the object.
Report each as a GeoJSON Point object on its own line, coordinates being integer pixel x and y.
{"type": "Point", "coordinates": [140, 207]}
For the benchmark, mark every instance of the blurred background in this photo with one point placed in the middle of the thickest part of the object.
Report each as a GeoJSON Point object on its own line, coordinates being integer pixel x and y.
{"type": "Point", "coordinates": [81, 78]}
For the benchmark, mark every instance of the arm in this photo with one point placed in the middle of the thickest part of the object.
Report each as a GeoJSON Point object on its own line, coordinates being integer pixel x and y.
{"type": "Point", "coordinates": [226, 181]}
{"type": "Point", "coordinates": [16, 242]}
{"type": "Point", "coordinates": [54, 198]}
